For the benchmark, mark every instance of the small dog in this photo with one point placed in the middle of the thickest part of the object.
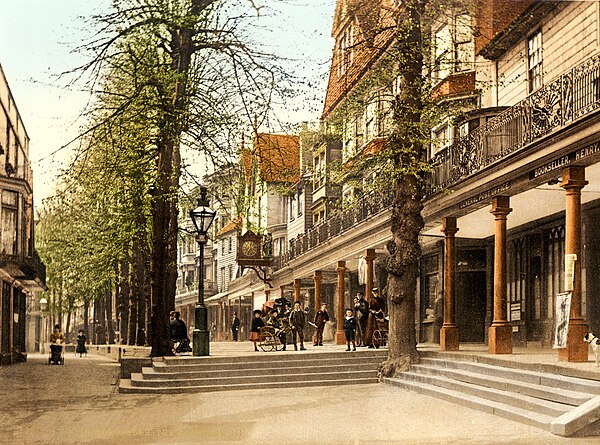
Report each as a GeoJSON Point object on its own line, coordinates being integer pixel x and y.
{"type": "Point", "coordinates": [594, 343]}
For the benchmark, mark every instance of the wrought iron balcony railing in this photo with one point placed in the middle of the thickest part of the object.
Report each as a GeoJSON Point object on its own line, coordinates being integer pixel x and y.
{"type": "Point", "coordinates": [340, 222]}
{"type": "Point", "coordinates": [572, 96]}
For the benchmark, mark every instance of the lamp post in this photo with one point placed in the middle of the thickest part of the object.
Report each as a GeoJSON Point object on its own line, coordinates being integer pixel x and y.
{"type": "Point", "coordinates": [202, 217]}
{"type": "Point", "coordinates": [43, 333]}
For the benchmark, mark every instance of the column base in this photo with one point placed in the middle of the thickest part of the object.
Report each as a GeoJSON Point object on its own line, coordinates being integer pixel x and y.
{"type": "Point", "coordinates": [449, 338]}
{"type": "Point", "coordinates": [500, 336]}
{"type": "Point", "coordinates": [200, 343]}
{"type": "Point", "coordinates": [577, 349]}
{"type": "Point", "coordinates": [340, 338]}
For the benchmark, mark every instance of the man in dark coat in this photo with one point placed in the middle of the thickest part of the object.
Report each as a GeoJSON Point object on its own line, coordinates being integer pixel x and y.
{"type": "Point", "coordinates": [297, 322]}
{"type": "Point", "coordinates": [361, 308]}
{"type": "Point", "coordinates": [376, 307]}
{"type": "Point", "coordinates": [321, 317]}
{"type": "Point", "coordinates": [235, 326]}
{"type": "Point", "coordinates": [179, 333]}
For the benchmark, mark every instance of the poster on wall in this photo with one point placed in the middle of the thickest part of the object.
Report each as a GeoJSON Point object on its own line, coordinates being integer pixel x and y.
{"type": "Point", "coordinates": [562, 309]}
{"type": "Point", "coordinates": [570, 259]}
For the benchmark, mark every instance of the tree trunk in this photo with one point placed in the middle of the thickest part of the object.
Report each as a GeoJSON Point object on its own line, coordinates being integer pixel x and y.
{"type": "Point", "coordinates": [164, 230]}
{"type": "Point", "coordinates": [86, 316]}
{"type": "Point", "coordinates": [110, 331]}
{"type": "Point", "coordinates": [405, 143]}
{"type": "Point", "coordinates": [124, 297]}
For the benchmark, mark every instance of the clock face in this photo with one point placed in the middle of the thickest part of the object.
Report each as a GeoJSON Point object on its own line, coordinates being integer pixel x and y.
{"type": "Point", "coordinates": [249, 248]}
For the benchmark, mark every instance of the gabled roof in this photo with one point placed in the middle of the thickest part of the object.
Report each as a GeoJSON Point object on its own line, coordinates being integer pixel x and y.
{"type": "Point", "coordinates": [277, 157]}
{"type": "Point", "coordinates": [233, 225]}
{"type": "Point", "coordinates": [373, 23]}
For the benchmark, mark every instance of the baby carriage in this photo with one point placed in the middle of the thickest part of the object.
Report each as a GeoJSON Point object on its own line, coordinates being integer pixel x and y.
{"type": "Point", "coordinates": [57, 354]}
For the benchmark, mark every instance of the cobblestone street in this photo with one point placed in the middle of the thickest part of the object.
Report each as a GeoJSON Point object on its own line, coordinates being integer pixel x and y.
{"type": "Point", "coordinates": [78, 403]}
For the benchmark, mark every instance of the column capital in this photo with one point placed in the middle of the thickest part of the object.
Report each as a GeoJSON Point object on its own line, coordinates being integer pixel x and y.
{"type": "Point", "coordinates": [449, 226]}
{"type": "Point", "coordinates": [573, 178]}
{"type": "Point", "coordinates": [341, 266]}
{"type": "Point", "coordinates": [318, 275]}
{"type": "Point", "coordinates": [370, 255]}
{"type": "Point", "coordinates": [500, 206]}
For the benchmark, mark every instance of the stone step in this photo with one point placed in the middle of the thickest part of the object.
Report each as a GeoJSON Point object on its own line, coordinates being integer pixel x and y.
{"type": "Point", "coordinates": [565, 396]}
{"type": "Point", "coordinates": [126, 387]}
{"type": "Point", "coordinates": [475, 402]}
{"type": "Point", "coordinates": [517, 400]}
{"type": "Point", "coordinates": [138, 379]}
{"type": "Point", "coordinates": [255, 357]}
{"type": "Point", "coordinates": [531, 377]}
{"type": "Point", "coordinates": [281, 362]}
{"type": "Point", "coordinates": [157, 372]}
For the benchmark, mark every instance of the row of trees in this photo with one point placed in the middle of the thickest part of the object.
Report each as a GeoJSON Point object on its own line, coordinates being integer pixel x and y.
{"type": "Point", "coordinates": [164, 75]}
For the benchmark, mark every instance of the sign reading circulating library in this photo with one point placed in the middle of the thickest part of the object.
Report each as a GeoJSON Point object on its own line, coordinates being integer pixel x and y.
{"type": "Point", "coordinates": [562, 308]}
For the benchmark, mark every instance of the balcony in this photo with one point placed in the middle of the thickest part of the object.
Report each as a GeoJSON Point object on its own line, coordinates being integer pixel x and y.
{"type": "Point", "coordinates": [30, 271]}
{"type": "Point", "coordinates": [339, 223]}
{"type": "Point", "coordinates": [571, 97]}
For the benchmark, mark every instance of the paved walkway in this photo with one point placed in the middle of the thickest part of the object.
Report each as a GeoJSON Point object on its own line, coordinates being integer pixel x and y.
{"type": "Point", "coordinates": [78, 404]}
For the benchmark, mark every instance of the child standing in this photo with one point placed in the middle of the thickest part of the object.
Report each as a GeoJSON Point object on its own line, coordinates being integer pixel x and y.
{"type": "Point", "coordinates": [350, 329]}
{"type": "Point", "coordinates": [257, 323]}
{"type": "Point", "coordinates": [81, 349]}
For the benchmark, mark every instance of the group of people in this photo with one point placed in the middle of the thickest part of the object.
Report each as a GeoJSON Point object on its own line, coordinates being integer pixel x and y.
{"type": "Point", "coordinates": [283, 320]}
{"type": "Point", "coordinates": [359, 322]}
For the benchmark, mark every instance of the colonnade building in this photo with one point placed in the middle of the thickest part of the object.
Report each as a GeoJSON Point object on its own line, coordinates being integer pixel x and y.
{"type": "Point", "coordinates": [514, 189]}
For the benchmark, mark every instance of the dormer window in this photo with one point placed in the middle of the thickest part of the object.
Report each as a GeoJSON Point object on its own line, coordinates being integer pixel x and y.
{"type": "Point", "coordinates": [345, 50]}
{"type": "Point", "coordinates": [453, 45]}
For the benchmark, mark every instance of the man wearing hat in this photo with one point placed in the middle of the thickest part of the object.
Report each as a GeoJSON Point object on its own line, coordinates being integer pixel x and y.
{"type": "Point", "coordinates": [376, 307]}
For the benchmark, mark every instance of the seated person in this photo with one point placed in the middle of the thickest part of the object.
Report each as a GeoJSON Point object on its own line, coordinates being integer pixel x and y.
{"type": "Point", "coordinates": [277, 323]}
{"type": "Point", "coordinates": [57, 340]}
{"type": "Point", "coordinates": [179, 333]}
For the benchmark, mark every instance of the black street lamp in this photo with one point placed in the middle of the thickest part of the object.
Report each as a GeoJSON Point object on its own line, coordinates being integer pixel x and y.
{"type": "Point", "coordinates": [202, 217]}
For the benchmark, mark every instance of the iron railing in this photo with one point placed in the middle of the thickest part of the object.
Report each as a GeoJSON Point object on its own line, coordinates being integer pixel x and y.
{"type": "Point", "coordinates": [570, 97]}
{"type": "Point", "coordinates": [339, 223]}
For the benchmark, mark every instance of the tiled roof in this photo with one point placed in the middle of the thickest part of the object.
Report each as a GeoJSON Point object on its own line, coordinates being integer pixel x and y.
{"type": "Point", "coordinates": [233, 225]}
{"type": "Point", "coordinates": [277, 157]}
{"type": "Point", "coordinates": [373, 27]}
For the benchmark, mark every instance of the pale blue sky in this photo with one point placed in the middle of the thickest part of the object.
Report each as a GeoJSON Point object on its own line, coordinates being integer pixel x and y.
{"type": "Point", "coordinates": [37, 39]}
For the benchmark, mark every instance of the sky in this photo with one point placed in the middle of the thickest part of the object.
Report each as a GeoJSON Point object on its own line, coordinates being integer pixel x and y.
{"type": "Point", "coordinates": [38, 42]}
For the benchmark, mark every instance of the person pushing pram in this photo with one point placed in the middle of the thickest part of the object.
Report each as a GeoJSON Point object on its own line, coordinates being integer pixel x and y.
{"type": "Point", "coordinates": [57, 340]}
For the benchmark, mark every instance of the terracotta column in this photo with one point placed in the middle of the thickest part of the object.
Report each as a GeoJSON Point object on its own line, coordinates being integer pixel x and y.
{"type": "Point", "coordinates": [340, 338]}
{"type": "Point", "coordinates": [369, 258]}
{"type": "Point", "coordinates": [449, 332]}
{"type": "Point", "coordinates": [239, 314]}
{"type": "Point", "coordinates": [228, 324]}
{"type": "Point", "coordinates": [297, 283]}
{"type": "Point", "coordinates": [220, 322]}
{"type": "Point", "coordinates": [500, 332]}
{"type": "Point", "coordinates": [573, 181]}
{"type": "Point", "coordinates": [318, 283]}
{"type": "Point", "coordinates": [282, 290]}
{"type": "Point", "coordinates": [267, 295]}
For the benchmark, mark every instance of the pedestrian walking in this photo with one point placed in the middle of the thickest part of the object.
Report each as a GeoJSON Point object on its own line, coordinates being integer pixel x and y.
{"type": "Point", "coordinates": [81, 339]}
{"type": "Point", "coordinates": [321, 317]}
{"type": "Point", "coordinates": [376, 307]}
{"type": "Point", "coordinates": [257, 323]}
{"type": "Point", "coordinates": [235, 326]}
{"type": "Point", "coordinates": [350, 329]}
{"type": "Point", "coordinates": [297, 323]}
{"type": "Point", "coordinates": [361, 310]}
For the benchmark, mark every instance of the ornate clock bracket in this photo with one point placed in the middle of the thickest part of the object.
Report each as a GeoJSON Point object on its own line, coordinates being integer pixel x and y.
{"type": "Point", "coordinates": [261, 273]}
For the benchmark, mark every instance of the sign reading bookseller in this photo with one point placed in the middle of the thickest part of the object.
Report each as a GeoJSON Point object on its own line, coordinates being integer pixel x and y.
{"type": "Point", "coordinates": [574, 156]}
